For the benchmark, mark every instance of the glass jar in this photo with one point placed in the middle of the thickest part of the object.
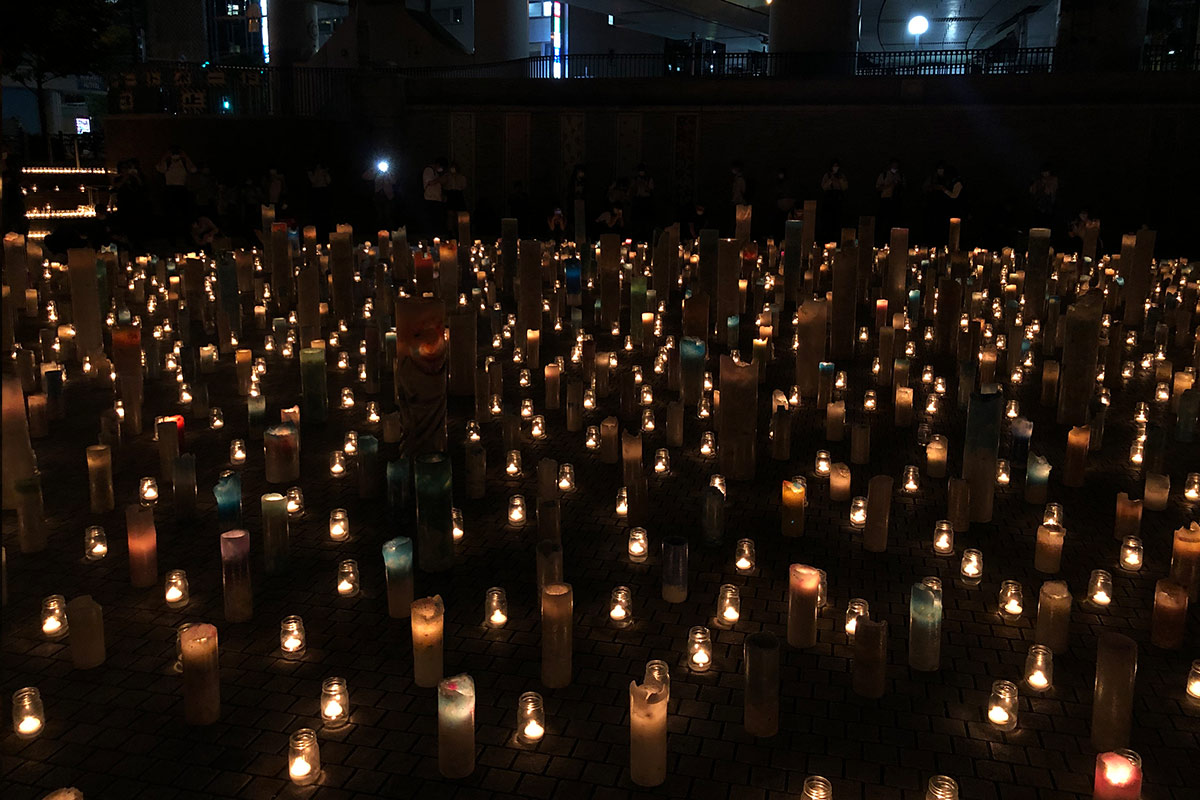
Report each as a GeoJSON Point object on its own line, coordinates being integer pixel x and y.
{"type": "Point", "coordinates": [95, 543]}
{"type": "Point", "coordinates": [28, 714]}
{"type": "Point", "coordinates": [1131, 554]}
{"type": "Point", "coordinates": [1011, 601]}
{"type": "Point", "coordinates": [495, 608]}
{"type": "Point", "coordinates": [620, 607]}
{"type": "Point", "coordinates": [304, 757]}
{"type": "Point", "coordinates": [1039, 668]}
{"type": "Point", "coordinates": [531, 718]}
{"type": "Point", "coordinates": [339, 524]}
{"type": "Point", "coordinates": [971, 568]}
{"type": "Point", "coordinates": [943, 537]}
{"type": "Point", "coordinates": [817, 788]}
{"type": "Point", "coordinates": [1100, 589]}
{"type": "Point", "coordinates": [347, 578]}
{"type": "Point", "coordinates": [291, 636]}
{"type": "Point", "coordinates": [858, 513]}
{"type": "Point", "coordinates": [743, 556]}
{"type": "Point", "coordinates": [856, 609]}
{"type": "Point", "coordinates": [516, 510]}
{"type": "Point", "coordinates": [176, 590]}
{"type": "Point", "coordinates": [1002, 705]}
{"type": "Point", "coordinates": [639, 545]}
{"type": "Point", "coordinates": [699, 649]}
{"type": "Point", "coordinates": [335, 702]}
{"type": "Point", "coordinates": [941, 787]}
{"type": "Point", "coordinates": [729, 606]}
{"type": "Point", "coordinates": [54, 617]}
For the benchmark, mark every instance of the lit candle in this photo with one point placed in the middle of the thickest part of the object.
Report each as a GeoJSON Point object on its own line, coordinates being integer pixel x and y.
{"type": "Point", "coordinates": [1002, 705]}
{"type": "Point", "coordinates": [804, 584]}
{"type": "Point", "coordinates": [971, 568]}
{"type": "Point", "coordinates": [620, 606]}
{"type": "Point", "coordinates": [531, 718]}
{"type": "Point", "coordinates": [28, 714]}
{"type": "Point", "coordinates": [1039, 668]}
{"type": "Point", "coordinates": [176, 593]}
{"type": "Point", "coordinates": [729, 604]}
{"type": "Point", "coordinates": [200, 662]}
{"type": "Point", "coordinates": [943, 537]}
{"type": "Point", "coordinates": [699, 649]}
{"type": "Point", "coordinates": [427, 621]}
{"type": "Point", "coordinates": [856, 611]}
{"type": "Point", "coordinates": [1100, 589]}
{"type": "Point", "coordinates": [495, 607]}
{"type": "Point", "coordinates": [795, 498]}
{"type": "Point", "coordinates": [823, 463]}
{"type": "Point", "coordinates": [1185, 560]}
{"type": "Point", "coordinates": [1193, 681]}
{"type": "Point", "coordinates": [95, 543]}
{"type": "Point", "coordinates": [638, 545]}
{"type": "Point", "coordinates": [516, 510]}
{"type": "Point", "coordinates": [335, 702]}
{"type": "Point", "coordinates": [648, 726]}
{"type": "Point", "coordinates": [744, 556]}
{"type": "Point", "coordinates": [55, 624]}
{"type": "Point", "coordinates": [347, 578]}
{"type": "Point", "coordinates": [858, 512]}
{"type": "Point", "coordinates": [304, 757]}
{"type": "Point", "coordinates": [1012, 600]}
{"type": "Point", "coordinates": [291, 636]}
{"type": "Point", "coordinates": [1118, 776]}
{"type": "Point", "coordinates": [1131, 554]}
{"type": "Point", "coordinates": [339, 524]}
{"type": "Point", "coordinates": [935, 456]}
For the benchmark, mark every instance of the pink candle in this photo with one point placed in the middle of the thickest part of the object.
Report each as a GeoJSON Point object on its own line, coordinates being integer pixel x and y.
{"type": "Point", "coordinates": [881, 314]}
{"type": "Point", "coordinates": [1118, 776]}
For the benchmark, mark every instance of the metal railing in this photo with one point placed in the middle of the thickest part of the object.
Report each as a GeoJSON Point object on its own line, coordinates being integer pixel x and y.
{"type": "Point", "coordinates": [180, 88]}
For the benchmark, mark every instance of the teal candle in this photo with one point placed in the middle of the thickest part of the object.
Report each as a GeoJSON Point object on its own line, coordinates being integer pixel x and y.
{"type": "Point", "coordinates": [714, 515]}
{"type": "Point", "coordinates": [399, 481]}
{"type": "Point", "coordinates": [398, 567]}
{"type": "Point", "coordinates": [314, 394]}
{"type": "Point", "coordinates": [275, 532]}
{"type": "Point", "coordinates": [1037, 479]}
{"type": "Point", "coordinates": [228, 491]}
{"type": "Point", "coordinates": [925, 626]}
{"type": "Point", "coordinates": [733, 331]}
{"type": "Point", "coordinates": [824, 383]}
{"type": "Point", "coordinates": [368, 466]}
{"type": "Point", "coordinates": [982, 443]}
{"type": "Point", "coordinates": [435, 532]}
{"type": "Point", "coordinates": [914, 304]}
{"type": "Point", "coordinates": [968, 369]}
{"type": "Point", "coordinates": [691, 362]}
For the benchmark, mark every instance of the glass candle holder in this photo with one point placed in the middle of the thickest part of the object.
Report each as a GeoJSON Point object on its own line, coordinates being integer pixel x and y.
{"type": "Point", "coordinates": [943, 537]}
{"type": "Point", "coordinates": [339, 524]}
{"type": "Point", "coordinates": [708, 443]}
{"type": "Point", "coordinates": [337, 464]}
{"type": "Point", "coordinates": [591, 438]}
{"type": "Point", "coordinates": [216, 419]}
{"type": "Point", "coordinates": [1131, 556]}
{"type": "Point", "coordinates": [729, 606]}
{"type": "Point", "coordinates": [335, 702]}
{"type": "Point", "coordinates": [1137, 452]}
{"type": "Point", "coordinates": [566, 478]}
{"type": "Point", "coordinates": [28, 715]}
{"type": "Point", "coordinates": [1011, 601]}
{"type": "Point", "coordinates": [1191, 487]}
{"type": "Point", "coordinates": [372, 412]}
{"type": "Point", "coordinates": [526, 407]}
{"type": "Point", "coordinates": [622, 504]}
{"type": "Point", "coordinates": [1118, 776]}
{"type": "Point", "coordinates": [457, 527]}
{"type": "Point", "coordinates": [589, 399]}
{"type": "Point", "coordinates": [350, 443]}
{"type": "Point", "coordinates": [295, 502]}
{"type": "Point", "coordinates": [472, 428]}
{"type": "Point", "coordinates": [822, 589]}
{"type": "Point", "coordinates": [291, 636]}
{"type": "Point", "coordinates": [662, 461]}
{"type": "Point", "coordinates": [237, 453]}
{"type": "Point", "coordinates": [822, 464]}
{"type": "Point", "coordinates": [870, 401]}
{"type": "Point", "coordinates": [1003, 472]}
{"type": "Point", "coordinates": [1012, 409]}
{"type": "Point", "coordinates": [531, 718]}
{"type": "Point", "coordinates": [856, 609]}
{"type": "Point", "coordinates": [516, 510]}
{"type": "Point", "coordinates": [699, 649]}
{"type": "Point", "coordinates": [175, 591]}
{"type": "Point", "coordinates": [95, 543]}
{"type": "Point", "coordinates": [347, 578]}
{"type": "Point", "coordinates": [496, 405]}
{"type": "Point", "coordinates": [743, 556]}
{"type": "Point", "coordinates": [817, 788]}
{"type": "Point", "coordinates": [1002, 705]}
{"type": "Point", "coordinates": [148, 492]}
{"type": "Point", "coordinates": [648, 420]}
{"type": "Point", "coordinates": [1193, 681]}
{"type": "Point", "coordinates": [495, 608]}
{"type": "Point", "coordinates": [639, 545]}
{"type": "Point", "coordinates": [1039, 668]}
{"type": "Point", "coordinates": [858, 512]}
{"type": "Point", "coordinates": [911, 482]}
{"type": "Point", "coordinates": [647, 395]}
{"type": "Point", "coordinates": [54, 617]}
{"type": "Point", "coordinates": [1053, 515]}
{"type": "Point", "coordinates": [304, 757]}
{"type": "Point", "coordinates": [971, 568]}
{"type": "Point", "coordinates": [1100, 589]}
{"type": "Point", "coordinates": [941, 787]}
{"type": "Point", "coordinates": [347, 397]}
{"type": "Point", "coordinates": [537, 427]}
{"type": "Point", "coordinates": [620, 607]}
{"type": "Point", "coordinates": [718, 482]}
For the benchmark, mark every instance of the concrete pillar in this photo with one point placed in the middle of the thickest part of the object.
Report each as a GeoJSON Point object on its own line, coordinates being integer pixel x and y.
{"type": "Point", "coordinates": [813, 26]}
{"type": "Point", "coordinates": [1100, 37]}
{"type": "Point", "coordinates": [292, 28]}
{"type": "Point", "coordinates": [501, 30]}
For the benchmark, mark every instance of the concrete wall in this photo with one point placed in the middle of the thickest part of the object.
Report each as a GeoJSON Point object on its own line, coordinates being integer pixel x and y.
{"type": "Point", "coordinates": [589, 32]}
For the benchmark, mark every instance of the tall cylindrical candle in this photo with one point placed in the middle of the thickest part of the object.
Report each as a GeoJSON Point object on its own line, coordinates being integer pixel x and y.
{"type": "Point", "coordinates": [761, 665]}
{"type": "Point", "coordinates": [456, 725]}
{"type": "Point", "coordinates": [1169, 624]}
{"type": "Point", "coordinates": [427, 621]}
{"type": "Point", "coordinates": [1112, 700]}
{"type": "Point", "coordinates": [804, 583]}
{"type": "Point", "coordinates": [87, 632]}
{"type": "Point", "coordinates": [879, 511]}
{"type": "Point", "coordinates": [925, 626]}
{"type": "Point", "coordinates": [648, 727]}
{"type": "Point", "coordinates": [235, 575]}
{"type": "Point", "coordinates": [1185, 560]}
{"type": "Point", "coordinates": [557, 633]}
{"type": "Point", "coordinates": [201, 674]}
{"type": "Point", "coordinates": [675, 568]}
{"type": "Point", "coordinates": [398, 565]}
{"type": "Point", "coordinates": [100, 478]}
{"type": "Point", "coordinates": [275, 532]}
{"type": "Point", "coordinates": [870, 657]}
{"type": "Point", "coordinates": [1047, 555]}
{"type": "Point", "coordinates": [435, 533]}
{"type": "Point", "coordinates": [795, 498]}
{"type": "Point", "coordinates": [143, 545]}
{"type": "Point", "coordinates": [1054, 616]}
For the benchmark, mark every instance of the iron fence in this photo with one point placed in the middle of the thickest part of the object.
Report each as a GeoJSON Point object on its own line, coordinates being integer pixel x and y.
{"type": "Point", "coordinates": [181, 88]}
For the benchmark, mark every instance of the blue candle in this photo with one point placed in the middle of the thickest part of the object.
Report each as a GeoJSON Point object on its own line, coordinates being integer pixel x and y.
{"type": "Point", "coordinates": [314, 394]}
{"type": "Point", "coordinates": [733, 331]}
{"type": "Point", "coordinates": [981, 445]}
{"type": "Point", "coordinates": [691, 362]}
{"type": "Point", "coordinates": [256, 415]}
{"type": "Point", "coordinates": [228, 492]}
{"type": "Point", "coordinates": [1037, 476]}
{"type": "Point", "coordinates": [675, 569]}
{"type": "Point", "coordinates": [398, 566]}
{"type": "Point", "coordinates": [914, 304]}
{"type": "Point", "coordinates": [925, 626]}
{"type": "Point", "coordinates": [368, 465]}
{"type": "Point", "coordinates": [573, 271]}
{"type": "Point", "coordinates": [714, 515]}
{"type": "Point", "coordinates": [1022, 430]}
{"type": "Point", "coordinates": [399, 482]}
{"type": "Point", "coordinates": [968, 369]}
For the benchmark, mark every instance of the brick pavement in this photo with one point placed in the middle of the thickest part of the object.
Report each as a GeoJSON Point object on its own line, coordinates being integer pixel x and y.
{"type": "Point", "coordinates": [118, 731]}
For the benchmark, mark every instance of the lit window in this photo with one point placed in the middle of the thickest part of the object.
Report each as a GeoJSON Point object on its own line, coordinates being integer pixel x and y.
{"type": "Point", "coordinates": [610, 19]}
{"type": "Point", "coordinates": [535, 10]}
{"type": "Point", "coordinates": [547, 8]}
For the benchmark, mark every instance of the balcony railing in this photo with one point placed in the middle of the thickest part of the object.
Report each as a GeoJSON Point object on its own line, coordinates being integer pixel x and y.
{"type": "Point", "coordinates": [180, 88]}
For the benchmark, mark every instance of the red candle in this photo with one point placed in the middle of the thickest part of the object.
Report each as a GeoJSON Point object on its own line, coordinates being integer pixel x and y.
{"type": "Point", "coordinates": [178, 419]}
{"type": "Point", "coordinates": [1118, 776]}
{"type": "Point", "coordinates": [881, 314]}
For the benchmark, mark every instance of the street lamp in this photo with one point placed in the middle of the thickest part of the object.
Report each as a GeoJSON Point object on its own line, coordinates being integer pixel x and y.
{"type": "Point", "coordinates": [918, 25]}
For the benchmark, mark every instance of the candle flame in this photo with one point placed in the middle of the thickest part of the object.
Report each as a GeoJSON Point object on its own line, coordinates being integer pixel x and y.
{"type": "Point", "coordinates": [333, 709]}
{"type": "Point", "coordinates": [1117, 770]}
{"type": "Point", "coordinates": [1037, 679]}
{"type": "Point", "coordinates": [29, 725]}
{"type": "Point", "coordinates": [730, 614]}
{"type": "Point", "coordinates": [700, 658]}
{"type": "Point", "coordinates": [998, 715]}
{"type": "Point", "coordinates": [1012, 607]}
{"type": "Point", "coordinates": [345, 587]}
{"type": "Point", "coordinates": [300, 768]}
{"type": "Point", "coordinates": [1101, 598]}
{"type": "Point", "coordinates": [174, 594]}
{"type": "Point", "coordinates": [498, 617]}
{"type": "Point", "coordinates": [51, 625]}
{"type": "Point", "coordinates": [291, 643]}
{"type": "Point", "coordinates": [743, 563]}
{"type": "Point", "coordinates": [533, 730]}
